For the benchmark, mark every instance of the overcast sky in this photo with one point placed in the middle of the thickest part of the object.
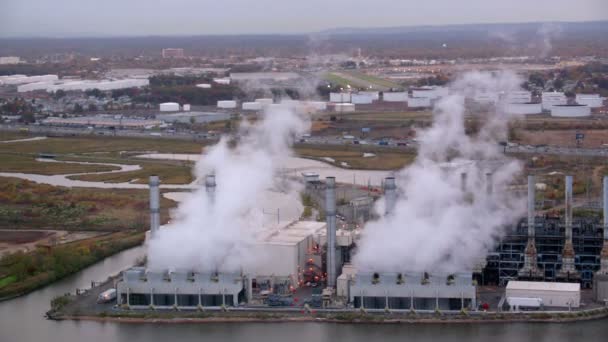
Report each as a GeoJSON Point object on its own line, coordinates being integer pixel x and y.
{"type": "Point", "coordinates": [179, 17]}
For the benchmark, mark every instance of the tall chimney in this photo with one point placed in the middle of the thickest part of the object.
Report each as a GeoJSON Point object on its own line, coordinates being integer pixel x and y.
{"type": "Point", "coordinates": [568, 270]}
{"type": "Point", "coordinates": [210, 187]}
{"type": "Point", "coordinates": [463, 181]}
{"type": "Point", "coordinates": [604, 253]}
{"type": "Point", "coordinates": [330, 214]}
{"type": "Point", "coordinates": [154, 205]}
{"type": "Point", "coordinates": [530, 269]}
{"type": "Point", "coordinates": [489, 183]}
{"type": "Point", "coordinates": [390, 194]}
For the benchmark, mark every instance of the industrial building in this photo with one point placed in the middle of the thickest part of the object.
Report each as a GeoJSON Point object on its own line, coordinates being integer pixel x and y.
{"type": "Point", "coordinates": [169, 107]}
{"type": "Point", "coordinates": [344, 107]}
{"type": "Point", "coordinates": [80, 85]}
{"type": "Point", "coordinates": [192, 117]}
{"type": "Point", "coordinates": [102, 121]}
{"type": "Point", "coordinates": [419, 102]}
{"type": "Point", "coordinates": [591, 100]}
{"type": "Point", "coordinates": [550, 294]}
{"type": "Point", "coordinates": [552, 248]}
{"type": "Point", "coordinates": [523, 108]}
{"type": "Point", "coordinates": [360, 98]}
{"type": "Point", "coordinates": [570, 111]}
{"type": "Point", "coordinates": [430, 92]}
{"type": "Point", "coordinates": [228, 104]}
{"type": "Point", "coordinates": [23, 79]}
{"type": "Point", "coordinates": [340, 97]}
{"type": "Point", "coordinates": [173, 53]}
{"type": "Point", "coordinates": [256, 106]}
{"type": "Point", "coordinates": [394, 96]}
{"type": "Point", "coordinates": [413, 291]}
{"type": "Point", "coordinates": [550, 99]}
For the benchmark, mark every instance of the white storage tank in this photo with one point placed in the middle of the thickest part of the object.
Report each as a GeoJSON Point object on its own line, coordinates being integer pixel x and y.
{"type": "Point", "coordinates": [550, 99]}
{"type": "Point", "coordinates": [339, 97]}
{"type": "Point", "coordinates": [522, 96]}
{"type": "Point", "coordinates": [265, 101]}
{"type": "Point", "coordinates": [570, 111]}
{"type": "Point", "coordinates": [430, 92]}
{"type": "Point", "coordinates": [485, 97]}
{"type": "Point", "coordinates": [374, 94]}
{"type": "Point", "coordinates": [361, 98]}
{"type": "Point", "coordinates": [169, 107]}
{"type": "Point", "coordinates": [591, 100]}
{"type": "Point", "coordinates": [344, 107]}
{"type": "Point", "coordinates": [252, 106]}
{"type": "Point", "coordinates": [227, 104]}
{"type": "Point", "coordinates": [317, 105]}
{"type": "Point", "coordinates": [418, 102]}
{"type": "Point", "coordinates": [523, 108]}
{"type": "Point", "coordinates": [394, 97]}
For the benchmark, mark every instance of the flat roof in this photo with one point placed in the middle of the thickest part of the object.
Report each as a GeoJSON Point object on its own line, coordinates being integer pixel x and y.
{"type": "Point", "coordinates": [543, 286]}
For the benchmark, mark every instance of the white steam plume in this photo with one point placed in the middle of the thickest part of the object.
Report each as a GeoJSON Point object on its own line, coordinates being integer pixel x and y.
{"type": "Point", "coordinates": [436, 225]}
{"type": "Point", "coordinates": [547, 32]}
{"type": "Point", "coordinates": [208, 236]}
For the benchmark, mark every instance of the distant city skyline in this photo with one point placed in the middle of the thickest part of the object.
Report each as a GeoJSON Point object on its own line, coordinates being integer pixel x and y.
{"type": "Point", "coordinates": [83, 18]}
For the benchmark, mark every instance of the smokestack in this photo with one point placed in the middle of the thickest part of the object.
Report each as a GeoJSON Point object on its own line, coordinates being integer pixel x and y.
{"type": "Point", "coordinates": [568, 270]}
{"type": "Point", "coordinates": [390, 194]}
{"type": "Point", "coordinates": [330, 214]}
{"type": "Point", "coordinates": [489, 184]}
{"type": "Point", "coordinates": [463, 181]}
{"type": "Point", "coordinates": [530, 269]}
{"type": "Point", "coordinates": [604, 253]}
{"type": "Point", "coordinates": [154, 205]}
{"type": "Point", "coordinates": [210, 187]}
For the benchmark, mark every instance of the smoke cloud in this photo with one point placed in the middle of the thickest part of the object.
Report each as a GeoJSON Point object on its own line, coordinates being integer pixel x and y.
{"type": "Point", "coordinates": [210, 235]}
{"type": "Point", "coordinates": [436, 224]}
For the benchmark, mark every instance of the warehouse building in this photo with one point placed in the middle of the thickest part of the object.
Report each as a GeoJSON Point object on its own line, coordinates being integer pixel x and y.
{"type": "Point", "coordinates": [394, 96]}
{"type": "Point", "coordinates": [193, 117]}
{"type": "Point", "coordinates": [559, 295]}
{"type": "Point", "coordinates": [339, 97]}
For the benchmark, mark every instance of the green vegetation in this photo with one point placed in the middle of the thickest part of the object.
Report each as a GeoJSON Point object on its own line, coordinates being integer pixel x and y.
{"type": "Point", "coordinates": [7, 280]}
{"type": "Point", "coordinates": [102, 144]}
{"type": "Point", "coordinates": [46, 265]}
{"type": "Point", "coordinates": [373, 79]}
{"type": "Point", "coordinates": [382, 160]}
{"type": "Point", "coordinates": [397, 117]}
{"type": "Point", "coordinates": [340, 81]}
{"type": "Point", "coordinates": [169, 173]}
{"type": "Point", "coordinates": [25, 204]}
{"type": "Point", "coordinates": [28, 164]}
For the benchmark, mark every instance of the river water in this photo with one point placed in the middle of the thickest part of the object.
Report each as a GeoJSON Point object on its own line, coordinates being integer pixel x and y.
{"type": "Point", "coordinates": [22, 319]}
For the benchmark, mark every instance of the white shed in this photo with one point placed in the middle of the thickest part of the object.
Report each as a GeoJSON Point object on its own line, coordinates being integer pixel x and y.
{"type": "Point", "coordinates": [552, 294]}
{"type": "Point", "coordinates": [169, 107]}
{"type": "Point", "coordinates": [229, 104]}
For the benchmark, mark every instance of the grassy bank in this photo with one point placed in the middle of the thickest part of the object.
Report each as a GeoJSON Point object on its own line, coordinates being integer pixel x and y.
{"type": "Point", "coordinates": [25, 204]}
{"type": "Point", "coordinates": [353, 156]}
{"type": "Point", "coordinates": [27, 164]}
{"type": "Point", "coordinates": [21, 273]}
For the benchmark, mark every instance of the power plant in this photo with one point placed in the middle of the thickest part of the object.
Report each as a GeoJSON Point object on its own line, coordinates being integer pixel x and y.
{"type": "Point", "coordinates": [536, 250]}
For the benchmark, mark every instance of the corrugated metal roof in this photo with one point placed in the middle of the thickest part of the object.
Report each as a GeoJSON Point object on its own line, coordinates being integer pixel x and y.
{"type": "Point", "coordinates": [543, 286]}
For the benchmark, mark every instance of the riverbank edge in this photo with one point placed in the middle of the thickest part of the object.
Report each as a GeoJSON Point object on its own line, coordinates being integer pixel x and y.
{"type": "Point", "coordinates": [102, 258]}
{"type": "Point", "coordinates": [485, 318]}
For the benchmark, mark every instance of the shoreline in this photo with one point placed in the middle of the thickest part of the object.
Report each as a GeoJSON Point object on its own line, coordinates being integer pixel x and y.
{"type": "Point", "coordinates": [358, 318]}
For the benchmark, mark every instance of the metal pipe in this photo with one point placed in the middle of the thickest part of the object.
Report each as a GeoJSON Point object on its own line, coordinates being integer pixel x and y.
{"type": "Point", "coordinates": [463, 181]}
{"type": "Point", "coordinates": [210, 187]}
{"type": "Point", "coordinates": [330, 214]}
{"type": "Point", "coordinates": [568, 209]}
{"type": "Point", "coordinates": [154, 205]}
{"type": "Point", "coordinates": [605, 208]}
{"type": "Point", "coordinates": [390, 194]}
{"type": "Point", "coordinates": [489, 183]}
{"type": "Point", "coordinates": [531, 205]}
